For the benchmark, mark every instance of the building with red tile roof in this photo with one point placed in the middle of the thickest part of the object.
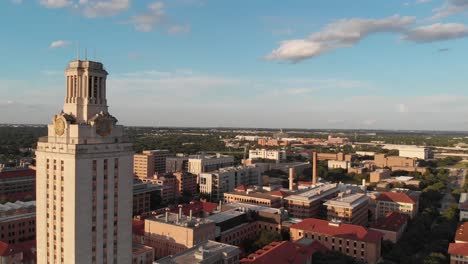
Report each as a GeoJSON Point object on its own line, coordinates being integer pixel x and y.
{"type": "Point", "coordinates": [24, 252]}
{"type": "Point", "coordinates": [392, 226]}
{"type": "Point", "coordinates": [461, 236]}
{"type": "Point", "coordinates": [352, 240]}
{"type": "Point", "coordinates": [397, 201]}
{"type": "Point", "coordinates": [459, 250]}
{"type": "Point", "coordinates": [458, 253]}
{"type": "Point", "coordinates": [285, 252]}
{"type": "Point", "coordinates": [15, 182]}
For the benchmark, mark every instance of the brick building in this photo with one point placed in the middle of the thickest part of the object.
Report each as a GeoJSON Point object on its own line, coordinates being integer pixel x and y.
{"type": "Point", "coordinates": [17, 222]}
{"type": "Point", "coordinates": [307, 203]}
{"type": "Point", "coordinates": [397, 201]}
{"type": "Point", "coordinates": [382, 160]}
{"type": "Point", "coordinates": [392, 226]}
{"type": "Point", "coordinates": [17, 181]}
{"type": "Point", "coordinates": [351, 208]}
{"type": "Point", "coordinates": [209, 252]}
{"type": "Point", "coordinates": [170, 233]}
{"type": "Point", "coordinates": [256, 198]}
{"type": "Point", "coordinates": [459, 249]}
{"type": "Point", "coordinates": [286, 252]}
{"type": "Point", "coordinates": [352, 240]}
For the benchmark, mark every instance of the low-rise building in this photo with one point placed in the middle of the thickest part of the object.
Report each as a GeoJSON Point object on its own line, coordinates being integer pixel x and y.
{"type": "Point", "coordinates": [411, 151]}
{"type": "Point", "coordinates": [143, 192]}
{"type": "Point", "coordinates": [392, 226]}
{"type": "Point", "coordinates": [379, 174]}
{"type": "Point", "coordinates": [276, 155]}
{"type": "Point", "coordinates": [17, 222]}
{"type": "Point", "coordinates": [24, 252]}
{"type": "Point", "coordinates": [142, 254]}
{"type": "Point", "coordinates": [209, 252]}
{"type": "Point", "coordinates": [307, 203]}
{"type": "Point", "coordinates": [255, 198]}
{"type": "Point", "coordinates": [463, 206]}
{"type": "Point", "coordinates": [17, 181]}
{"type": "Point", "coordinates": [382, 161]}
{"type": "Point", "coordinates": [286, 252]}
{"type": "Point", "coordinates": [206, 163]}
{"type": "Point", "coordinates": [338, 164]}
{"type": "Point", "coordinates": [355, 241]}
{"type": "Point", "coordinates": [459, 250]}
{"type": "Point", "coordinates": [351, 208]}
{"type": "Point", "coordinates": [233, 226]}
{"type": "Point", "coordinates": [177, 164]}
{"type": "Point", "coordinates": [170, 233]}
{"type": "Point", "coordinates": [405, 202]}
{"type": "Point", "coordinates": [216, 183]}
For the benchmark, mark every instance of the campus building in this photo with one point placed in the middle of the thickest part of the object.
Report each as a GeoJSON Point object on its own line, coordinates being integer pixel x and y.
{"type": "Point", "coordinates": [350, 208]}
{"type": "Point", "coordinates": [84, 177]}
{"type": "Point", "coordinates": [307, 203]}
{"type": "Point", "coordinates": [355, 241]}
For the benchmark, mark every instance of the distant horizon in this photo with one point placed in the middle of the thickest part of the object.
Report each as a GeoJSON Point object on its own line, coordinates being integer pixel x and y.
{"type": "Point", "coordinates": [272, 129]}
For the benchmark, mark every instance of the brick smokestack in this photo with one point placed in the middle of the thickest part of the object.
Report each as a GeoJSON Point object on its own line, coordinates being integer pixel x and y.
{"type": "Point", "coordinates": [291, 179]}
{"type": "Point", "coordinates": [314, 168]}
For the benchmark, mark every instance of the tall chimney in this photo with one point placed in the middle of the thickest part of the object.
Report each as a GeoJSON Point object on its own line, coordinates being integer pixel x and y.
{"type": "Point", "coordinates": [220, 205]}
{"type": "Point", "coordinates": [190, 217]}
{"type": "Point", "coordinates": [180, 211]}
{"type": "Point", "coordinates": [291, 178]}
{"type": "Point", "coordinates": [314, 168]}
{"type": "Point", "coordinates": [167, 214]}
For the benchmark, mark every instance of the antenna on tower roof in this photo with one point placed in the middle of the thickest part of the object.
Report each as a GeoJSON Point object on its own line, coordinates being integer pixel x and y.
{"type": "Point", "coordinates": [77, 50]}
{"type": "Point", "coordinates": [86, 54]}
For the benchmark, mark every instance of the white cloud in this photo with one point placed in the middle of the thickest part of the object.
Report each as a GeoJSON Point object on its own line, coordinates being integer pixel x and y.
{"type": "Point", "coordinates": [59, 44]}
{"type": "Point", "coordinates": [148, 20]}
{"type": "Point", "coordinates": [423, 1]}
{"type": "Point", "coordinates": [436, 32]}
{"type": "Point", "coordinates": [55, 3]}
{"type": "Point", "coordinates": [449, 8]}
{"type": "Point", "coordinates": [17, 1]}
{"type": "Point", "coordinates": [339, 34]}
{"type": "Point", "coordinates": [102, 8]}
{"type": "Point", "coordinates": [178, 29]}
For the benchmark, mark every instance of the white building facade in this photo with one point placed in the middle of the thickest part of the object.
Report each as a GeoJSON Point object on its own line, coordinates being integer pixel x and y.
{"type": "Point", "coordinates": [84, 177]}
{"type": "Point", "coordinates": [276, 155]}
{"type": "Point", "coordinates": [216, 183]}
{"type": "Point", "coordinates": [338, 164]}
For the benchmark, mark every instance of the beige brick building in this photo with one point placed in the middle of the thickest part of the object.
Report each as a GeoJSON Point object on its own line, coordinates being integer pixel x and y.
{"type": "Point", "coordinates": [307, 203]}
{"type": "Point", "coordinates": [352, 240]}
{"type": "Point", "coordinates": [351, 208]}
{"type": "Point", "coordinates": [170, 233]}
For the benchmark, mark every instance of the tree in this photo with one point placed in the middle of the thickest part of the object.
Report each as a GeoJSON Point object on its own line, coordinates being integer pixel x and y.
{"type": "Point", "coordinates": [265, 238]}
{"type": "Point", "coordinates": [435, 258]}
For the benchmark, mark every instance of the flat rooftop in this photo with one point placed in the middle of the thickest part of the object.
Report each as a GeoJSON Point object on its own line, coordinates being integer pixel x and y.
{"type": "Point", "coordinates": [316, 192]}
{"type": "Point", "coordinates": [253, 207]}
{"type": "Point", "coordinates": [224, 216]}
{"type": "Point", "coordinates": [200, 253]}
{"type": "Point", "coordinates": [254, 195]}
{"type": "Point", "coordinates": [348, 200]}
{"type": "Point", "coordinates": [183, 221]}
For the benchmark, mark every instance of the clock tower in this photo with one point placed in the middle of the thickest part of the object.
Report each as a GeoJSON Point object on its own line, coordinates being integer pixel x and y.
{"type": "Point", "coordinates": [84, 177]}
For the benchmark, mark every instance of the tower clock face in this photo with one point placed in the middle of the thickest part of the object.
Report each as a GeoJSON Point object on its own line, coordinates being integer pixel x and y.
{"type": "Point", "coordinates": [59, 126]}
{"type": "Point", "coordinates": [103, 127]}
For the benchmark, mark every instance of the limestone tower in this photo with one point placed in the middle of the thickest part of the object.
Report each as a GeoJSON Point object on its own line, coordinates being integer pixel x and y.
{"type": "Point", "coordinates": [84, 177]}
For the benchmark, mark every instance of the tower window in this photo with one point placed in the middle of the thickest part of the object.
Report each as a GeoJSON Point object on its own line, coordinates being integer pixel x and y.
{"type": "Point", "coordinates": [95, 87]}
{"type": "Point", "coordinates": [89, 86]}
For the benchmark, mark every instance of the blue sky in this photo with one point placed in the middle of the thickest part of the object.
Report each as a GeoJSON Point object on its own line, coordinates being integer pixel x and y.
{"type": "Point", "coordinates": [385, 64]}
